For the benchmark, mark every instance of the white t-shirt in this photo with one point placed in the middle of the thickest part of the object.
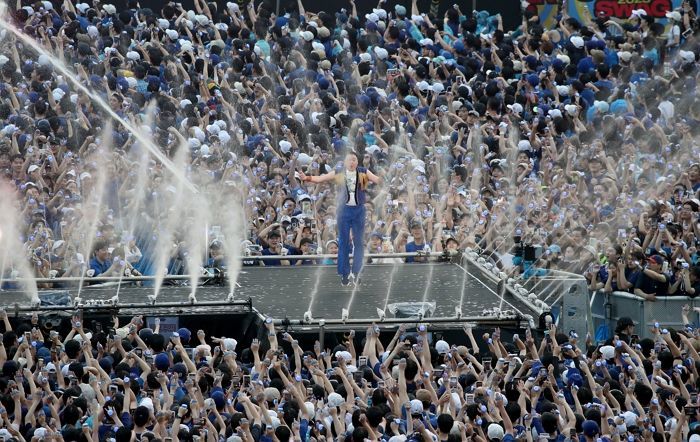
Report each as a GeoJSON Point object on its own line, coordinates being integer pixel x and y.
{"type": "Point", "coordinates": [351, 183]}
{"type": "Point", "coordinates": [674, 32]}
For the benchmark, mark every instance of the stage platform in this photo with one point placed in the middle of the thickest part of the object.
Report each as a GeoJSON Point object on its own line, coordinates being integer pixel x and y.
{"type": "Point", "coordinates": [289, 292]}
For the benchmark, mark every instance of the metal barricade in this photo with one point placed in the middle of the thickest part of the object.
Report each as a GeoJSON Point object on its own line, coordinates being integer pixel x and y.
{"type": "Point", "coordinates": [565, 295]}
{"type": "Point", "coordinates": [607, 308]}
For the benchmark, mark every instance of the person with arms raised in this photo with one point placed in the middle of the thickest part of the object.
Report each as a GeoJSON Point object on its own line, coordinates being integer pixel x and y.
{"type": "Point", "coordinates": [352, 181]}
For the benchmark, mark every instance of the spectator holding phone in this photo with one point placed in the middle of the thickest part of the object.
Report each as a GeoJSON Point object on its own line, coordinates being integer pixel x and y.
{"type": "Point", "coordinates": [652, 281]}
{"type": "Point", "coordinates": [686, 280]}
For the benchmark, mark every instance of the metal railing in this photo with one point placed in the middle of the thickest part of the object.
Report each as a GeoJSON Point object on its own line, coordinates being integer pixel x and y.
{"type": "Point", "coordinates": [143, 306]}
{"type": "Point", "coordinates": [607, 308]}
{"type": "Point", "coordinates": [493, 274]}
{"type": "Point", "coordinates": [560, 293]}
{"type": "Point", "coordinates": [515, 319]}
{"type": "Point", "coordinates": [127, 279]}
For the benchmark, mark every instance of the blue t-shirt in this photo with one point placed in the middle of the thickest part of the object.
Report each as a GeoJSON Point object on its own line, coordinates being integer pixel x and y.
{"type": "Point", "coordinates": [603, 274]}
{"type": "Point", "coordinates": [99, 267]}
{"type": "Point", "coordinates": [304, 429]}
{"type": "Point", "coordinates": [272, 262]}
{"type": "Point", "coordinates": [631, 275]}
{"type": "Point", "coordinates": [413, 247]}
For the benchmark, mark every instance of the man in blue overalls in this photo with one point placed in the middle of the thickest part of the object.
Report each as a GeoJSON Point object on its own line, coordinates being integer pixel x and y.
{"type": "Point", "coordinates": [352, 185]}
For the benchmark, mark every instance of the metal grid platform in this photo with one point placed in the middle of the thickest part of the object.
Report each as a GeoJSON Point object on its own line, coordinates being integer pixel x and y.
{"type": "Point", "coordinates": [289, 292]}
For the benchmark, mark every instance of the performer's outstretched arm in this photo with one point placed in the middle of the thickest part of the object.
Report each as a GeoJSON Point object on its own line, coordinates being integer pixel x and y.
{"type": "Point", "coordinates": [317, 178]}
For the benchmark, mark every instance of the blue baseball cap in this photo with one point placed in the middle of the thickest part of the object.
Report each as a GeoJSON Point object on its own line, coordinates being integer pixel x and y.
{"type": "Point", "coordinates": [161, 361]}
{"type": "Point", "coordinates": [533, 79]}
{"type": "Point", "coordinates": [590, 428]}
{"type": "Point", "coordinates": [185, 335]}
{"type": "Point", "coordinates": [554, 248]}
{"type": "Point", "coordinates": [281, 21]}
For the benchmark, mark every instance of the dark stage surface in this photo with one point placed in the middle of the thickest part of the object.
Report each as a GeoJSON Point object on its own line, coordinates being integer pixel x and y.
{"type": "Point", "coordinates": [282, 292]}
{"type": "Point", "coordinates": [289, 291]}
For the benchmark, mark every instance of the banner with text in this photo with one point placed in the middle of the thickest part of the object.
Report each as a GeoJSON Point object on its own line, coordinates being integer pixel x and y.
{"type": "Point", "coordinates": [584, 9]}
{"type": "Point", "coordinates": [168, 325]}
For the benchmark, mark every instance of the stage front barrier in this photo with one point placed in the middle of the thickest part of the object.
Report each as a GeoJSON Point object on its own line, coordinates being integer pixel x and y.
{"type": "Point", "coordinates": [607, 308]}
{"type": "Point", "coordinates": [562, 295]}
{"type": "Point", "coordinates": [566, 294]}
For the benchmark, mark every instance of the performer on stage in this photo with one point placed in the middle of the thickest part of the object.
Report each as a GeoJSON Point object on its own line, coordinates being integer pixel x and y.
{"type": "Point", "coordinates": [352, 183]}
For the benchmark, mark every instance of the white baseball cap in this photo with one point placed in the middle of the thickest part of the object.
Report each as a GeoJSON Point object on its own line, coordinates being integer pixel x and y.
{"type": "Point", "coordinates": [442, 347]}
{"type": "Point", "coordinates": [577, 41]}
{"type": "Point", "coordinates": [495, 431]}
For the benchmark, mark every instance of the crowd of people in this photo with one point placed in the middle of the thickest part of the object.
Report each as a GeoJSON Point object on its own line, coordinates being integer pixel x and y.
{"type": "Point", "coordinates": [567, 147]}
{"type": "Point", "coordinates": [131, 383]}
{"type": "Point", "coordinates": [564, 147]}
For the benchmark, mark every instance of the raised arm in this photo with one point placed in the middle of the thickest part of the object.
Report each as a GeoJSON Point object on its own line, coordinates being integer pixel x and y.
{"type": "Point", "coordinates": [372, 177]}
{"type": "Point", "coordinates": [321, 178]}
